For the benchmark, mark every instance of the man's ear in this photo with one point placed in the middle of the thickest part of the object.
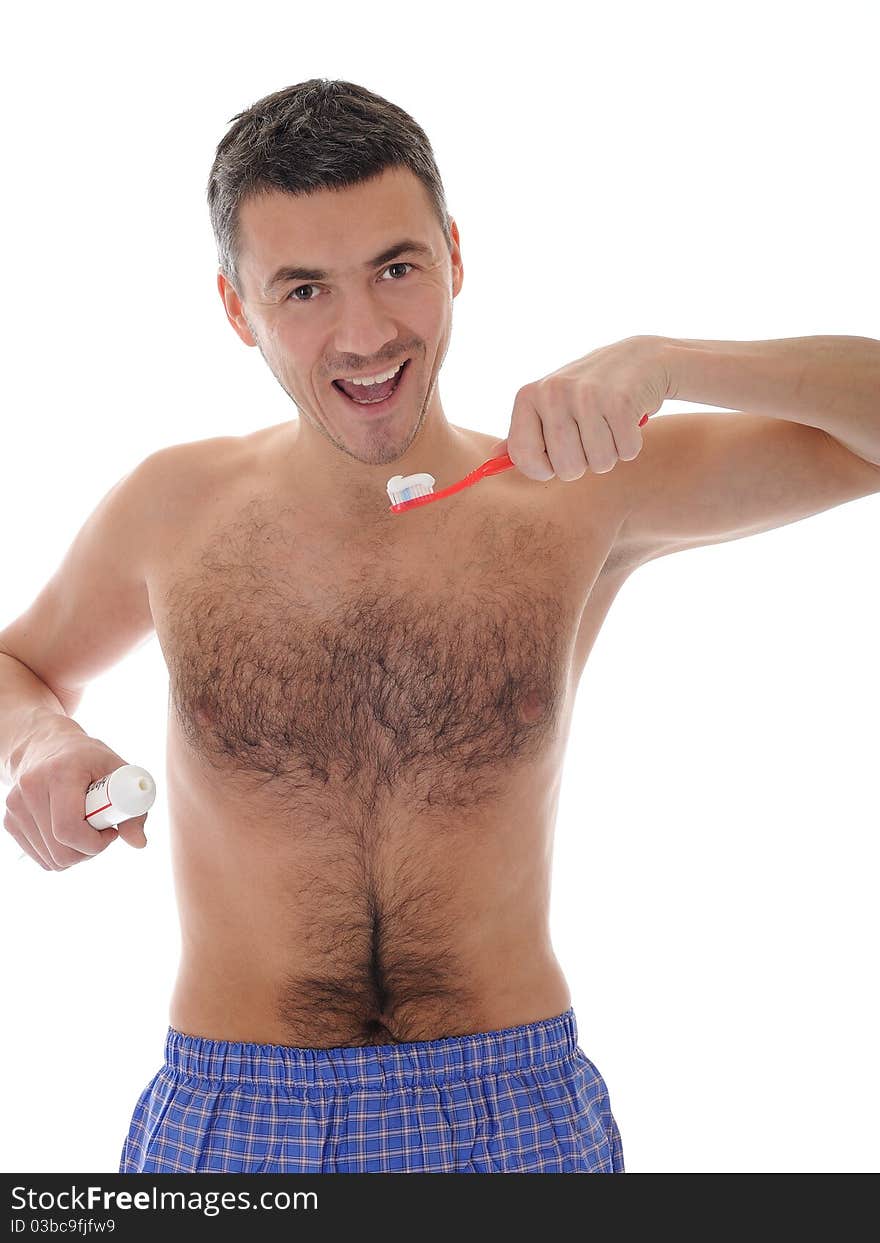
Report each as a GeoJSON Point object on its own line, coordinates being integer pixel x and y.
{"type": "Point", "coordinates": [234, 310]}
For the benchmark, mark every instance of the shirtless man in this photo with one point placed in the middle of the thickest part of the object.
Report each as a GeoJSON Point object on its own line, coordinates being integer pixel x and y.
{"type": "Point", "coordinates": [368, 711]}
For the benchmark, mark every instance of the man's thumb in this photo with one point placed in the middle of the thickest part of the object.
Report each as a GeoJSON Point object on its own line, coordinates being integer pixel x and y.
{"type": "Point", "coordinates": [132, 831]}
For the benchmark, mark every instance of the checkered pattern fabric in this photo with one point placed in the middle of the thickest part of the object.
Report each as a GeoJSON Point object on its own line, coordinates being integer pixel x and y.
{"type": "Point", "coordinates": [521, 1100]}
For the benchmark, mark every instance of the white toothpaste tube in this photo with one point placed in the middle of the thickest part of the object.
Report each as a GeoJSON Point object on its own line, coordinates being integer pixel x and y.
{"type": "Point", "coordinates": [126, 792]}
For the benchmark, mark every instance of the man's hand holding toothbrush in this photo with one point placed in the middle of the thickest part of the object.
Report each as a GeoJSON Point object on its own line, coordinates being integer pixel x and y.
{"type": "Point", "coordinates": [587, 414]}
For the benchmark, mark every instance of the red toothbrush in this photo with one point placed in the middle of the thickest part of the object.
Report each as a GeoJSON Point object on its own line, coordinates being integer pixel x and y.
{"type": "Point", "coordinates": [408, 491]}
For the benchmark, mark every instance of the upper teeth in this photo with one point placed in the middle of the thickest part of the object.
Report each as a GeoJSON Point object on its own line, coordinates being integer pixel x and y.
{"type": "Point", "coordinates": [376, 379]}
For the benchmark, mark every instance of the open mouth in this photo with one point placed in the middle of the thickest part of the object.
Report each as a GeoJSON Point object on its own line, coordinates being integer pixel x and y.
{"type": "Point", "coordinates": [369, 403]}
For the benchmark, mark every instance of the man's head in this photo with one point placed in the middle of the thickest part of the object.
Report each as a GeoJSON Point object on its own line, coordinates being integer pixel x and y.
{"type": "Point", "coordinates": [325, 179]}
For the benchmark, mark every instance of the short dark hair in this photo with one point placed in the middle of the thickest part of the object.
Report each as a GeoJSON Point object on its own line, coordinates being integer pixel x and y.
{"type": "Point", "coordinates": [316, 135]}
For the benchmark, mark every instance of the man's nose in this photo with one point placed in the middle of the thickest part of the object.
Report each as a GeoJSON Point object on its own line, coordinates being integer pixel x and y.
{"type": "Point", "coordinates": [362, 328]}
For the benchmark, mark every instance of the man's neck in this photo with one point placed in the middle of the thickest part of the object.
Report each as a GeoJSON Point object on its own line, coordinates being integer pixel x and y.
{"type": "Point", "coordinates": [332, 482]}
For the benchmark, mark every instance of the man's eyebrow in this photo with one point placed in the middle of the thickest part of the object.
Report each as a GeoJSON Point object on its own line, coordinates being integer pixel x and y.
{"type": "Point", "coordinates": [292, 273]}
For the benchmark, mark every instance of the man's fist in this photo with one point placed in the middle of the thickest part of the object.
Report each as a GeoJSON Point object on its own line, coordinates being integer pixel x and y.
{"type": "Point", "coordinates": [587, 415]}
{"type": "Point", "coordinates": [45, 809]}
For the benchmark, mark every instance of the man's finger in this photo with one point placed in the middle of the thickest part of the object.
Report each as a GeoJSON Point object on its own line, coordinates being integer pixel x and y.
{"type": "Point", "coordinates": [132, 831]}
{"type": "Point", "coordinates": [526, 440]}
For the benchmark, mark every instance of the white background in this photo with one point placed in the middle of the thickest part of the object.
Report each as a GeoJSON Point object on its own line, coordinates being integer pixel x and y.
{"type": "Point", "coordinates": [685, 169]}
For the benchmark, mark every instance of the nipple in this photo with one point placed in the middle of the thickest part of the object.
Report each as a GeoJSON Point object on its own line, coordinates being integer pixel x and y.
{"type": "Point", "coordinates": [531, 706]}
{"type": "Point", "coordinates": [204, 714]}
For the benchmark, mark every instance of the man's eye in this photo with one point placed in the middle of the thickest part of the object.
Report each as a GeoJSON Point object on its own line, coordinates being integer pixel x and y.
{"type": "Point", "coordinates": [299, 289]}
{"type": "Point", "coordinates": [398, 265]}
{"type": "Point", "coordinates": [291, 296]}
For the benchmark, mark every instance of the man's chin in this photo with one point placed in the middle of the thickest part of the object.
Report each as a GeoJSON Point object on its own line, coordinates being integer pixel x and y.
{"type": "Point", "coordinates": [375, 455]}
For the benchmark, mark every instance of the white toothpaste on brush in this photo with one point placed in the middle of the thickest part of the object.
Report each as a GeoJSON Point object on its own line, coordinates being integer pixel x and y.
{"type": "Point", "coordinates": [127, 792]}
{"type": "Point", "coordinates": [405, 487]}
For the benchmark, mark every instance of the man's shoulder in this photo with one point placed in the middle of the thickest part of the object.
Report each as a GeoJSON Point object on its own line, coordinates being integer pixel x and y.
{"type": "Point", "coordinates": [193, 461]}
{"type": "Point", "coordinates": [189, 456]}
{"type": "Point", "coordinates": [176, 476]}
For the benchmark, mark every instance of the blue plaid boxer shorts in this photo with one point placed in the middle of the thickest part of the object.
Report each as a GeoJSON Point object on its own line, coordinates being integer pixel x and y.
{"type": "Point", "coordinates": [521, 1100]}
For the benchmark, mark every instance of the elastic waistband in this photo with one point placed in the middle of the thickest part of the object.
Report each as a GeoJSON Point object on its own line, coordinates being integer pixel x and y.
{"type": "Point", "coordinates": [387, 1065]}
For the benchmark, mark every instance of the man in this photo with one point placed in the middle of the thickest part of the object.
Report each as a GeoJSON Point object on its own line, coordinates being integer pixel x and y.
{"type": "Point", "coordinates": [369, 711]}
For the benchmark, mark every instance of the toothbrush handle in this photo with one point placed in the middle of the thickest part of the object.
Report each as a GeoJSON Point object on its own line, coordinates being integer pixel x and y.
{"type": "Point", "coordinates": [494, 466]}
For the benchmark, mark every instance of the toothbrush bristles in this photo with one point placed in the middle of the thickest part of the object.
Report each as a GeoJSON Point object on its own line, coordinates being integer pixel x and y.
{"type": "Point", "coordinates": [402, 488]}
{"type": "Point", "coordinates": [409, 493]}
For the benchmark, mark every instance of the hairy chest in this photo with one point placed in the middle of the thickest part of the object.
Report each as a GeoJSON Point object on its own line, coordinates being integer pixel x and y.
{"type": "Point", "coordinates": [337, 670]}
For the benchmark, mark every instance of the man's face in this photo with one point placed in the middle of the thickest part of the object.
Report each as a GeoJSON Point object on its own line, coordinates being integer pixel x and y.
{"type": "Point", "coordinates": [360, 317]}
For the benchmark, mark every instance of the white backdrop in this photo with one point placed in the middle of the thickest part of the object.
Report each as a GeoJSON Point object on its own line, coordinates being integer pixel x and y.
{"type": "Point", "coordinates": [686, 169]}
